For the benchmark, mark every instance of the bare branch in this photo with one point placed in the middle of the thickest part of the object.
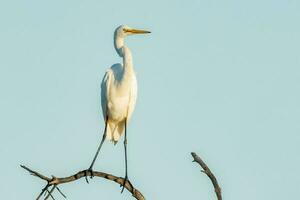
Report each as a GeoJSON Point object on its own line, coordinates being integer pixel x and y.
{"type": "Point", "coordinates": [54, 181]}
{"type": "Point", "coordinates": [34, 173]}
{"type": "Point", "coordinates": [211, 176]}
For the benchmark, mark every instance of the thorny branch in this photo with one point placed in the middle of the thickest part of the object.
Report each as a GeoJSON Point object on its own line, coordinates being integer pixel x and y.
{"type": "Point", "coordinates": [54, 182]}
{"type": "Point", "coordinates": [211, 176]}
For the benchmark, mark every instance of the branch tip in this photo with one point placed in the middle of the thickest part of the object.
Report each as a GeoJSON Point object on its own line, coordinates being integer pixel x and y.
{"type": "Point", "coordinates": [211, 176]}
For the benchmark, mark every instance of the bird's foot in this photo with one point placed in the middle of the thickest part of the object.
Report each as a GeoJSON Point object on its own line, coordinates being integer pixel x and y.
{"type": "Point", "coordinates": [87, 172]}
{"type": "Point", "coordinates": [124, 183]}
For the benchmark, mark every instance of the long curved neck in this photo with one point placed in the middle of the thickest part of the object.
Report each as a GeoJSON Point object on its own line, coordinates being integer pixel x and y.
{"type": "Point", "coordinates": [119, 43]}
{"type": "Point", "coordinates": [125, 53]}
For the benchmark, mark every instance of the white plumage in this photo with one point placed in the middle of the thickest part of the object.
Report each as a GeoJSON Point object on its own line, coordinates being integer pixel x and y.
{"type": "Point", "coordinates": [119, 87]}
{"type": "Point", "coordinates": [118, 98]}
{"type": "Point", "coordinates": [118, 94]}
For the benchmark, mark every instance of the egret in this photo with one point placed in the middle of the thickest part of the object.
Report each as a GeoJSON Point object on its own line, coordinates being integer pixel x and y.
{"type": "Point", "coordinates": [119, 93]}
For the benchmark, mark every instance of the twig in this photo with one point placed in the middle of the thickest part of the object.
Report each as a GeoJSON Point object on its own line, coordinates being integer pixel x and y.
{"type": "Point", "coordinates": [211, 176]}
{"type": "Point", "coordinates": [43, 190]}
{"type": "Point", "coordinates": [54, 181]}
{"type": "Point", "coordinates": [50, 193]}
{"type": "Point", "coordinates": [62, 194]}
{"type": "Point", "coordinates": [34, 173]}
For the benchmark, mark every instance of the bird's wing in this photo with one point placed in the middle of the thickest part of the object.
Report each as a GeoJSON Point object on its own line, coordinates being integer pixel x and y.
{"type": "Point", "coordinates": [104, 91]}
{"type": "Point", "coordinates": [132, 98]}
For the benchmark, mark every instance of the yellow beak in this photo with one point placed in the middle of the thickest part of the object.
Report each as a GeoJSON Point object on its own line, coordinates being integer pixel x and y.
{"type": "Point", "coordinates": [136, 31]}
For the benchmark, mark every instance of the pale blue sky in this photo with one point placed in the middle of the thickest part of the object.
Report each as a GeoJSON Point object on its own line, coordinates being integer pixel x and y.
{"type": "Point", "coordinates": [220, 78]}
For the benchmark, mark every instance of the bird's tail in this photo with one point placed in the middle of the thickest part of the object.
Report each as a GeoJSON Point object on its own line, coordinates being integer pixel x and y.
{"type": "Point", "coordinates": [114, 131]}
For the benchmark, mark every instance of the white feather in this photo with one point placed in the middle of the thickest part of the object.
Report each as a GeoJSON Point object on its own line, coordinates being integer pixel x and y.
{"type": "Point", "coordinates": [118, 99]}
{"type": "Point", "coordinates": [119, 87]}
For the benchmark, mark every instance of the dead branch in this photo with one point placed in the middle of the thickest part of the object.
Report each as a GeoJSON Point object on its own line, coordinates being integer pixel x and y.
{"type": "Point", "coordinates": [54, 181]}
{"type": "Point", "coordinates": [211, 176]}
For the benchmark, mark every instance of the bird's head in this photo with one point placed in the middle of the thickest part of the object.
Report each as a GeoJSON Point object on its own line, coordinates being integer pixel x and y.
{"type": "Point", "coordinates": [123, 31]}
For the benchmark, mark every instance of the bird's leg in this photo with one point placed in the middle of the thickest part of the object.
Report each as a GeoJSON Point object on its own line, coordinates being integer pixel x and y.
{"type": "Point", "coordinates": [98, 150]}
{"type": "Point", "coordinates": [125, 148]}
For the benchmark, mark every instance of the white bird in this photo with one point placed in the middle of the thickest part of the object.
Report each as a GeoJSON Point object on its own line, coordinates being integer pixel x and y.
{"type": "Point", "coordinates": [119, 92]}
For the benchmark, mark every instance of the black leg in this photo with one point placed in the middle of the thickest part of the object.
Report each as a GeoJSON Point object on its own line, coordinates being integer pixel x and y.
{"type": "Point", "coordinates": [98, 150]}
{"type": "Point", "coordinates": [125, 148]}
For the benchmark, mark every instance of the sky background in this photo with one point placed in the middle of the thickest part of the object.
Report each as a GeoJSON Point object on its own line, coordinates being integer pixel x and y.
{"type": "Point", "coordinates": [220, 78]}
